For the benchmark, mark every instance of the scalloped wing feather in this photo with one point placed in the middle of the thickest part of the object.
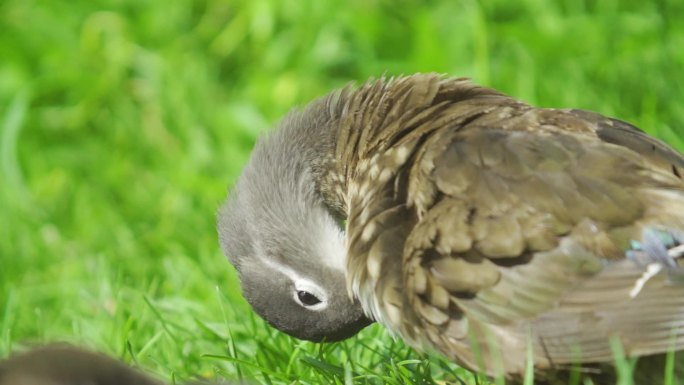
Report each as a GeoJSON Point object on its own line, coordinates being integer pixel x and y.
{"type": "Point", "coordinates": [481, 226]}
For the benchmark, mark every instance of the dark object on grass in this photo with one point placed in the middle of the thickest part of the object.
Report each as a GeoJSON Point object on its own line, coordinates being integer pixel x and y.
{"type": "Point", "coordinates": [476, 225]}
{"type": "Point", "coordinates": [67, 365]}
{"type": "Point", "coordinates": [63, 364]}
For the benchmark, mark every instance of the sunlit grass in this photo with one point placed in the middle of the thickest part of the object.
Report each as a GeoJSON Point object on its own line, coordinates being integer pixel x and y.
{"type": "Point", "coordinates": [123, 123]}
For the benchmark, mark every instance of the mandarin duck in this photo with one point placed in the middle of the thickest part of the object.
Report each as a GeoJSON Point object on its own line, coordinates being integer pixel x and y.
{"type": "Point", "coordinates": [501, 235]}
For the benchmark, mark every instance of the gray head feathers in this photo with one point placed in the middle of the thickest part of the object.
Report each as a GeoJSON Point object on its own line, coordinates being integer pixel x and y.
{"type": "Point", "coordinates": [286, 244]}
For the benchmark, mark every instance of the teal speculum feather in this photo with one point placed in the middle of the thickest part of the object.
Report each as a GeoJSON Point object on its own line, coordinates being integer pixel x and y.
{"type": "Point", "coordinates": [660, 246]}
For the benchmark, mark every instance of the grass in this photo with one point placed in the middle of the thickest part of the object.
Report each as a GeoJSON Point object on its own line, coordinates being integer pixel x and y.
{"type": "Point", "coordinates": [123, 123]}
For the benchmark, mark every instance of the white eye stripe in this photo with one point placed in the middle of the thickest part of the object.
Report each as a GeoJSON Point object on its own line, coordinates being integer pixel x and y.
{"type": "Point", "coordinates": [332, 244]}
{"type": "Point", "coordinates": [316, 307]}
{"type": "Point", "coordinates": [300, 284]}
{"type": "Point", "coordinates": [303, 284]}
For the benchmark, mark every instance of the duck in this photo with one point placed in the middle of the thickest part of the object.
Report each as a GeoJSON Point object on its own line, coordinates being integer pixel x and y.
{"type": "Point", "coordinates": [59, 363]}
{"type": "Point", "coordinates": [64, 364]}
{"type": "Point", "coordinates": [500, 235]}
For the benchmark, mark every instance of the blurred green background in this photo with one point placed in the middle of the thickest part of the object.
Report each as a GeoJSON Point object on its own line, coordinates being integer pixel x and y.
{"type": "Point", "coordinates": [123, 123]}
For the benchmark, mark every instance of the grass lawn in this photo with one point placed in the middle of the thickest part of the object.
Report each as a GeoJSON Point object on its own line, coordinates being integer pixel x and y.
{"type": "Point", "coordinates": [123, 123]}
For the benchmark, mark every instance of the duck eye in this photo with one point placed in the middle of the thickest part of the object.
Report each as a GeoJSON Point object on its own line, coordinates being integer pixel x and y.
{"type": "Point", "coordinates": [307, 298]}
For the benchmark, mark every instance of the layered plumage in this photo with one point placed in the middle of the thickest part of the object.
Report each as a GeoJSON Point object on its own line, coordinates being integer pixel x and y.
{"type": "Point", "coordinates": [485, 228]}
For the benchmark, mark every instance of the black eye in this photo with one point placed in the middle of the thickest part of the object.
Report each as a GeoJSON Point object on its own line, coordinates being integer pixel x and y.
{"type": "Point", "coordinates": [307, 298]}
